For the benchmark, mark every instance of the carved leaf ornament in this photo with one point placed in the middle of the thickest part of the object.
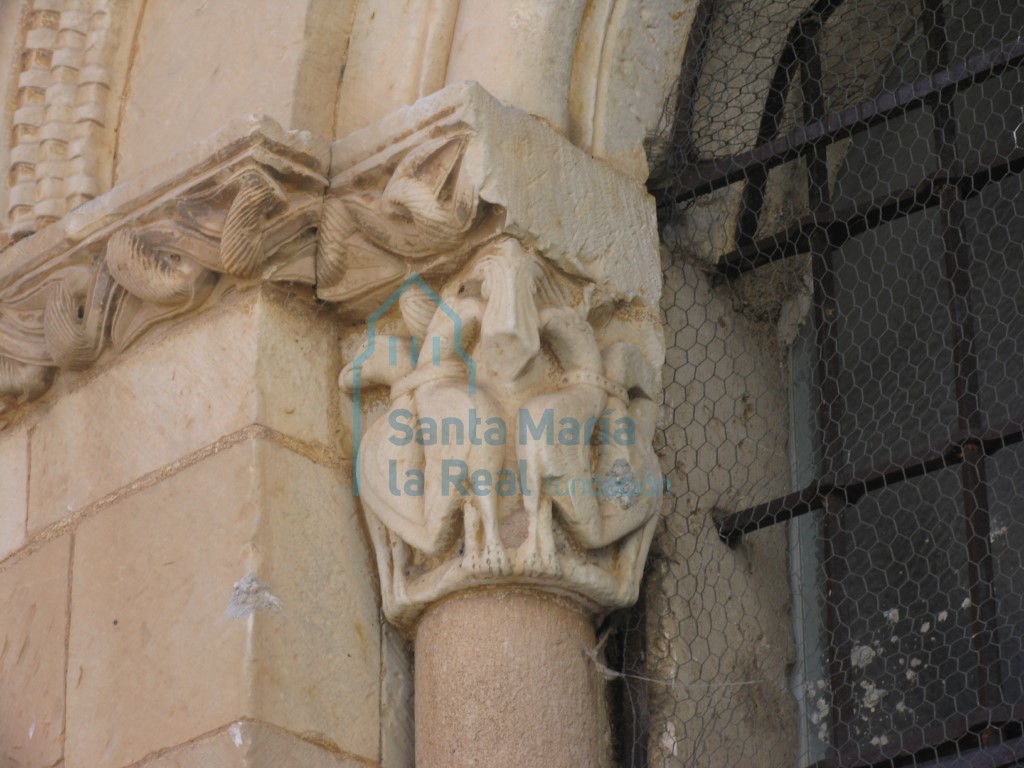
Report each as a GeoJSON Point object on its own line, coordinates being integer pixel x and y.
{"type": "Point", "coordinates": [419, 222]}
{"type": "Point", "coordinates": [163, 261]}
{"type": "Point", "coordinates": [509, 437]}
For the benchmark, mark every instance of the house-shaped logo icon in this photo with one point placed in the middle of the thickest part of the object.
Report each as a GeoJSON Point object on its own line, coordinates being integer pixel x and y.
{"type": "Point", "coordinates": [417, 347]}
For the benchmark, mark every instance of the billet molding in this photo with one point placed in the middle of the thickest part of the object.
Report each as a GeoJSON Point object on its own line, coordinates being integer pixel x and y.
{"type": "Point", "coordinates": [64, 107]}
{"type": "Point", "coordinates": [245, 204]}
{"type": "Point", "coordinates": [511, 283]}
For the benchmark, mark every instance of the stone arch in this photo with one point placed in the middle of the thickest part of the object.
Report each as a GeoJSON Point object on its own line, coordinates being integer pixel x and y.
{"type": "Point", "coordinates": [597, 70]}
{"type": "Point", "coordinates": [200, 65]}
{"type": "Point", "coordinates": [626, 66]}
{"type": "Point", "coordinates": [100, 83]}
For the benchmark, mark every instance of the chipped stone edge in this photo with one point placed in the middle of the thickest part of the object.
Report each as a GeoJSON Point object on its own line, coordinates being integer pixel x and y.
{"type": "Point", "coordinates": [627, 244]}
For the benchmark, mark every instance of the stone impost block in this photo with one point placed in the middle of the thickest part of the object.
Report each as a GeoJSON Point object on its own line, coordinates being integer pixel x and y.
{"type": "Point", "coordinates": [242, 205]}
{"type": "Point", "coordinates": [459, 167]}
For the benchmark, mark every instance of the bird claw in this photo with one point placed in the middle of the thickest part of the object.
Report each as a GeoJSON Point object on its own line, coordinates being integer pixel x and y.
{"type": "Point", "coordinates": [490, 561]}
{"type": "Point", "coordinates": [532, 561]}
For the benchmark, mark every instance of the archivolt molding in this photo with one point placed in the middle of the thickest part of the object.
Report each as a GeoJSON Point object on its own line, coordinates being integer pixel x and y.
{"type": "Point", "coordinates": [508, 284]}
{"type": "Point", "coordinates": [64, 109]}
{"type": "Point", "coordinates": [579, 66]}
{"type": "Point", "coordinates": [599, 71]}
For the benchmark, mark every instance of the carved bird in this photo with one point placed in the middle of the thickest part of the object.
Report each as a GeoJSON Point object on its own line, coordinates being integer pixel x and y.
{"type": "Point", "coordinates": [610, 388]}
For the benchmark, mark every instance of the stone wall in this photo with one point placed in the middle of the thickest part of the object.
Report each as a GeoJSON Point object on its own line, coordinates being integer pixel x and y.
{"type": "Point", "coordinates": [191, 578]}
{"type": "Point", "coordinates": [200, 64]}
{"type": "Point", "coordinates": [719, 641]}
{"type": "Point", "coordinates": [184, 557]}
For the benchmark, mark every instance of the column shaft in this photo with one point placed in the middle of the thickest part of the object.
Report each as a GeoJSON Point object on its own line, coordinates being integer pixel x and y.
{"type": "Point", "coordinates": [503, 681]}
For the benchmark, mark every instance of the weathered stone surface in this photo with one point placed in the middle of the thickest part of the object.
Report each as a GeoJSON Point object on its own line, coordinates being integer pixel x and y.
{"type": "Point", "coordinates": [623, 44]}
{"type": "Point", "coordinates": [253, 362]}
{"type": "Point", "coordinates": [248, 744]}
{"type": "Point", "coordinates": [522, 53]}
{"type": "Point", "coordinates": [718, 617]}
{"type": "Point", "coordinates": [13, 490]}
{"type": "Point", "coordinates": [10, 28]}
{"type": "Point", "coordinates": [244, 205]}
{"type": "Point", "coordinates": [323, 62]}
{"type": "Point", "coordinates": [238, 584]}
{"type": "Point", "coordinates": [396, 701]}
{"type": "Point", "coordinates": [242, 56]}
{"type": "Point", "coordinates": [316, 662]}
{"type": "Point", "coordinates": [512, 291]}
{"type": "Point", "coordinates": [150, 636]}
{"type": "Point", "coordinates": [399, 53]}
{"type": "Point", "coordinates": [250, 138]}
{"type": "Point", "coordinates": [33, 628]}
{"type": "Point", "coordinates": [600, 72]}
{"type": "Point", "coordinates": [196, 64]}
{"type": "Point", "coordinates": [527, 286]}
{"type": "Point", "coordinates": [584, 216]}
{"type": "Point", "coordinates": [68, 84]}
{"type": "Point", "coordinates": [550, 478]}
{"type": "Point", "coordinates": [503, 680]}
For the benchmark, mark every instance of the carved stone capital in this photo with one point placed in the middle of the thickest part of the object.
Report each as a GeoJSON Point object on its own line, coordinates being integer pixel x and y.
{"type": "Point", "coordinates": [245, 204]}
{"type": "Point", "coordinates": [509, 285]}
{"type": "Point", "coordinates": [505, 399]}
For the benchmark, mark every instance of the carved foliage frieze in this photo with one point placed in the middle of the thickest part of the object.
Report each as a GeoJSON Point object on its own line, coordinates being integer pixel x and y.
{"type": "Point", "coordinates": [503, 404]}
{"type": "Point", "coordinates": [423, 220]}
{"type": "Point", "coordinates": [247, 213]}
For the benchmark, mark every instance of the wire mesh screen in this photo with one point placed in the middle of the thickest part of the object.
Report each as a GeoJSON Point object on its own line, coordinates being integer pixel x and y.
{"type": "Point", "coordinates": [838, 579]}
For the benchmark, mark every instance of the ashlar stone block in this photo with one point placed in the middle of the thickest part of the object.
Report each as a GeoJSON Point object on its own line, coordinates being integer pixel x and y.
{"type": "Point", "coordinates": [239, 588]}
{"type": "Point", "coordinates": [33, 628]}
{"type": "Point", "coordinates": [248, 744]}
{"type": "Point", "coordinates": [272, 57]}
{"type": "Point", "coordinates": [13, 490]}
{"type": "Point", "coordinates": [254, 362]}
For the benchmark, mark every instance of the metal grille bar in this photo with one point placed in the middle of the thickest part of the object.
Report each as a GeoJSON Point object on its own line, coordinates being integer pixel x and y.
{"type": "Point", "coordinates": [962, 732]}
{"type": "Point", "coordinates": [705, 177]}
{"type": "Point", "coordinates": [732, 525]}
{"type": "Point", "coordinates": [840, 226]}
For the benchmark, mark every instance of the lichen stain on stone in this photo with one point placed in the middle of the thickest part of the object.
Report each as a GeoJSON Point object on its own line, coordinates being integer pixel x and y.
{"type": "Point", "coordinates": [361, 632]}
{"type": "Point", "coordinates": [250, 595]}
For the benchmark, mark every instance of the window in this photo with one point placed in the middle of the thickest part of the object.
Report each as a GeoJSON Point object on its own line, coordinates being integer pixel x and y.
{"type": "Point", "coordinates": [907, 396]}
